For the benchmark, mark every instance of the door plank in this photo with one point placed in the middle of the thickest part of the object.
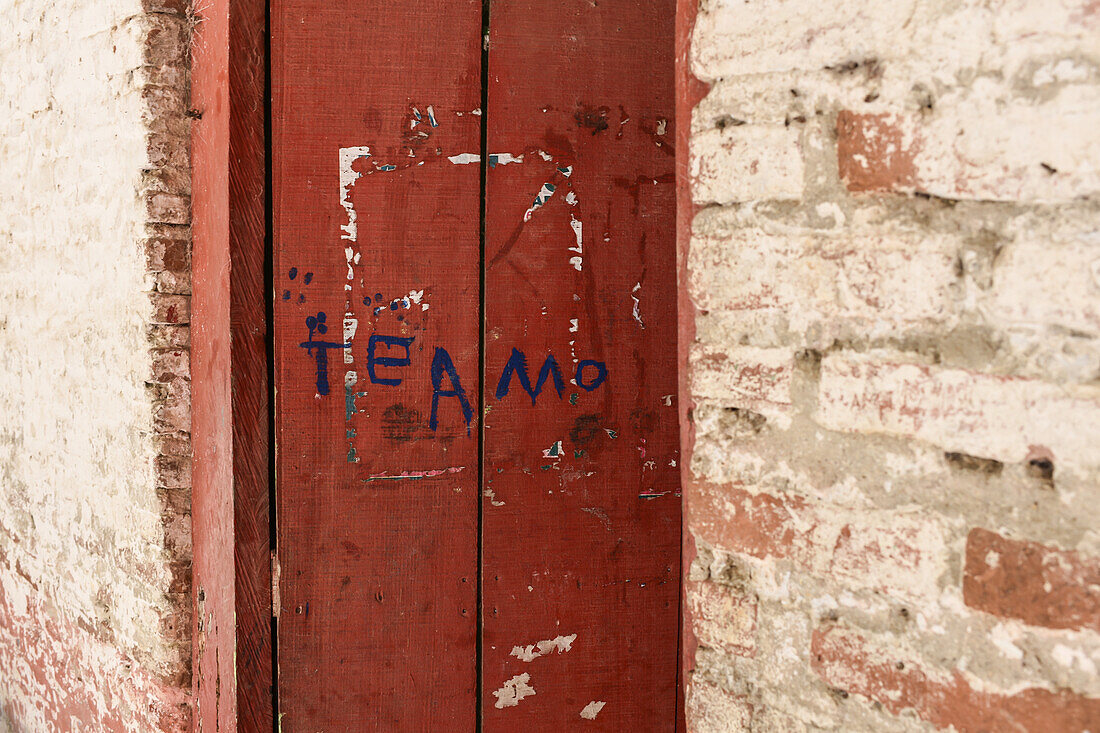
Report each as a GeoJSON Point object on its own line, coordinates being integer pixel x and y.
{"type": "Point", "coordinates": [581, 505]}
{"type": "Point", "coordinates": [377, 291]}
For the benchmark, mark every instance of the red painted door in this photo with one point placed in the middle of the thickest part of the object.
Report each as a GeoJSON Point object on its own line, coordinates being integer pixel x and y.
{"type": "Point", "coordinates": [475, 421]}
{"type": "Point", "coordinates": [581, 514]}
{"type": "Point", "coordinates": [377, 292]}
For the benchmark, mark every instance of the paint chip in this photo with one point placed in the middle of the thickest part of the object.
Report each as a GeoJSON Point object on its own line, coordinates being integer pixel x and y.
{"type": "Point", "coordinates": [637, 305]}
{"type": "Point", "coordinates": [592, 709]}
{"type": "Point", "coordinates": [542, 648]}
{"type": "Point", "coordinates": [512, 691]}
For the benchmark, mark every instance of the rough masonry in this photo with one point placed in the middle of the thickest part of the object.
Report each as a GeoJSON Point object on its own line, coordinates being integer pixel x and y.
{"type": "Point", "coordinates": [894, 265]}
{"type": "Point", "coordinates": [95, 545]}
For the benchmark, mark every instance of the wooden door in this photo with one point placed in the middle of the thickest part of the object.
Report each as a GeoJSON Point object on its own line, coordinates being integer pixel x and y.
{"type": "Point", "coordinates": [581, 524]}
{"type": "Point", "coordinates": [475, 365]}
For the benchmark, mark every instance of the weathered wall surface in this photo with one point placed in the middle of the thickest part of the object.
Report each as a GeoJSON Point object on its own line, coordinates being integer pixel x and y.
{"type": "Point", "coordinates": [94, 410]}
{"type": "Point", "coordinates": [895, 366]}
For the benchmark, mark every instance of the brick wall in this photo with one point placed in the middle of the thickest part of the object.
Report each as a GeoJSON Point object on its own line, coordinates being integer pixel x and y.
{"type": "Point", "coordinates": [94, 380]}
{"type": "Point", "coordinates": [893, 356]}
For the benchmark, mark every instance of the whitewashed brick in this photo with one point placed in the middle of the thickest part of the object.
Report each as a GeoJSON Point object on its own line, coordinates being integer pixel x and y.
{"type": "Point", "coordinates": [1049, 283]}
{"type": "Point", "coordinates": [874, 283]}
{"type": "Point", "coordinates": [734, 37]}
{"type": "Point", "coordinates": [1003, 418]}
{"type": "Point", "coordinates": [746, 378]}
{"type": "Point", "coordinates": [746, 162]}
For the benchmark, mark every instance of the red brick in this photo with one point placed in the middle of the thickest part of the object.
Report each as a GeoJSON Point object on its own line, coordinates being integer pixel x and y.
{"type": "Point", "coordinates": [872, 152]}
{"type": "Point", "coordinates": [722, 618]}
{"type": "Point", "coordinates": [896, 552]}
{"type": "Point", "coordinates": [847, 661]}
{"type": "Point", "coordinates": [171, 309]}
{"type": "Point", "coordinates": [171, 364]}
{"type": "Point", "coordinates": [758, 525]}
{"type": "Point", "coordinates": [984, 142]}
{"type": "Point", "coordinates": [167, 208]}
{"type": "Point", "coordinates": [1035, 583]}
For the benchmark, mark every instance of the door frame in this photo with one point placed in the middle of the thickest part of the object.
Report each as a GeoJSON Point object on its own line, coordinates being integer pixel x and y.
{"type": "Point", "coordinates": [233, 628]}
{"type": "Point", "coordinates": [234, 577]}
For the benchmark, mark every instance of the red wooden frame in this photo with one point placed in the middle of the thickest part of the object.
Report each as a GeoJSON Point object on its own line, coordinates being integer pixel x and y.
{"type": "Point", "coordinates": [230, 518]}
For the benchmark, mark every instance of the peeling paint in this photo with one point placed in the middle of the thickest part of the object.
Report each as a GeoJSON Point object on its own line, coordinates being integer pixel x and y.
{"type": "Point", "coordinates": [592, 709]}
{"type": "Point", "coordinates": [512, 691]}
{"type": "Point", "coordinates": [348, 176]}
{"type": "Point", "coordinates": [575, 223]}
{"type": "Point", "coordinates": [414, 474]}
{"type": "Point", "coordinates": [637, 304]}
{"type": "Point", "coordinates": [542, 648]}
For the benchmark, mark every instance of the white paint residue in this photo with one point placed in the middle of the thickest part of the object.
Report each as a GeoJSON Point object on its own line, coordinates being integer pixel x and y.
{"type": "Point", "coordinates": [415, 296]}
{"type": "Point", "coordinates": [637, 305]}
{"type": "Point", "coordinates": [514, 690]}
{"type": "Point", "coordinates": [662, 127]}
{"type": "Point", "coordinates": [573, 325]}
{"type": "Point", "coordinates": [532, 652]}
{"type": "Point", "coordinates": [571, 198]}
{"type": "Point", "coordinates": [348, 176]}
{"type": "Point", "coordinates": [592, 709]}
{"type": "Point", "coordinates": [492, 497]}
{"type": "Point", "coordinates": [667, 399]}
{"type": "Point", "coordinates": [579, 249]}
{"type": "Point", "coordinates": [350, 325]}
{"type": "Point", "coordinates": [496, 159]}
{"type": "Point", "coordinates": [431, 117]}
{"type": "Point", "coordinates": [465, 158]}
{"type": "Point", "coordinates": [545, 155]}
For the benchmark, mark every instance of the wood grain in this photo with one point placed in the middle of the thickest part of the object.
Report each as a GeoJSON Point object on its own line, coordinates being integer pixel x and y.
{"type": "Point", "coordinates": [581, 525]}
{"type": "Point", "coordinates": [230, 521]}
